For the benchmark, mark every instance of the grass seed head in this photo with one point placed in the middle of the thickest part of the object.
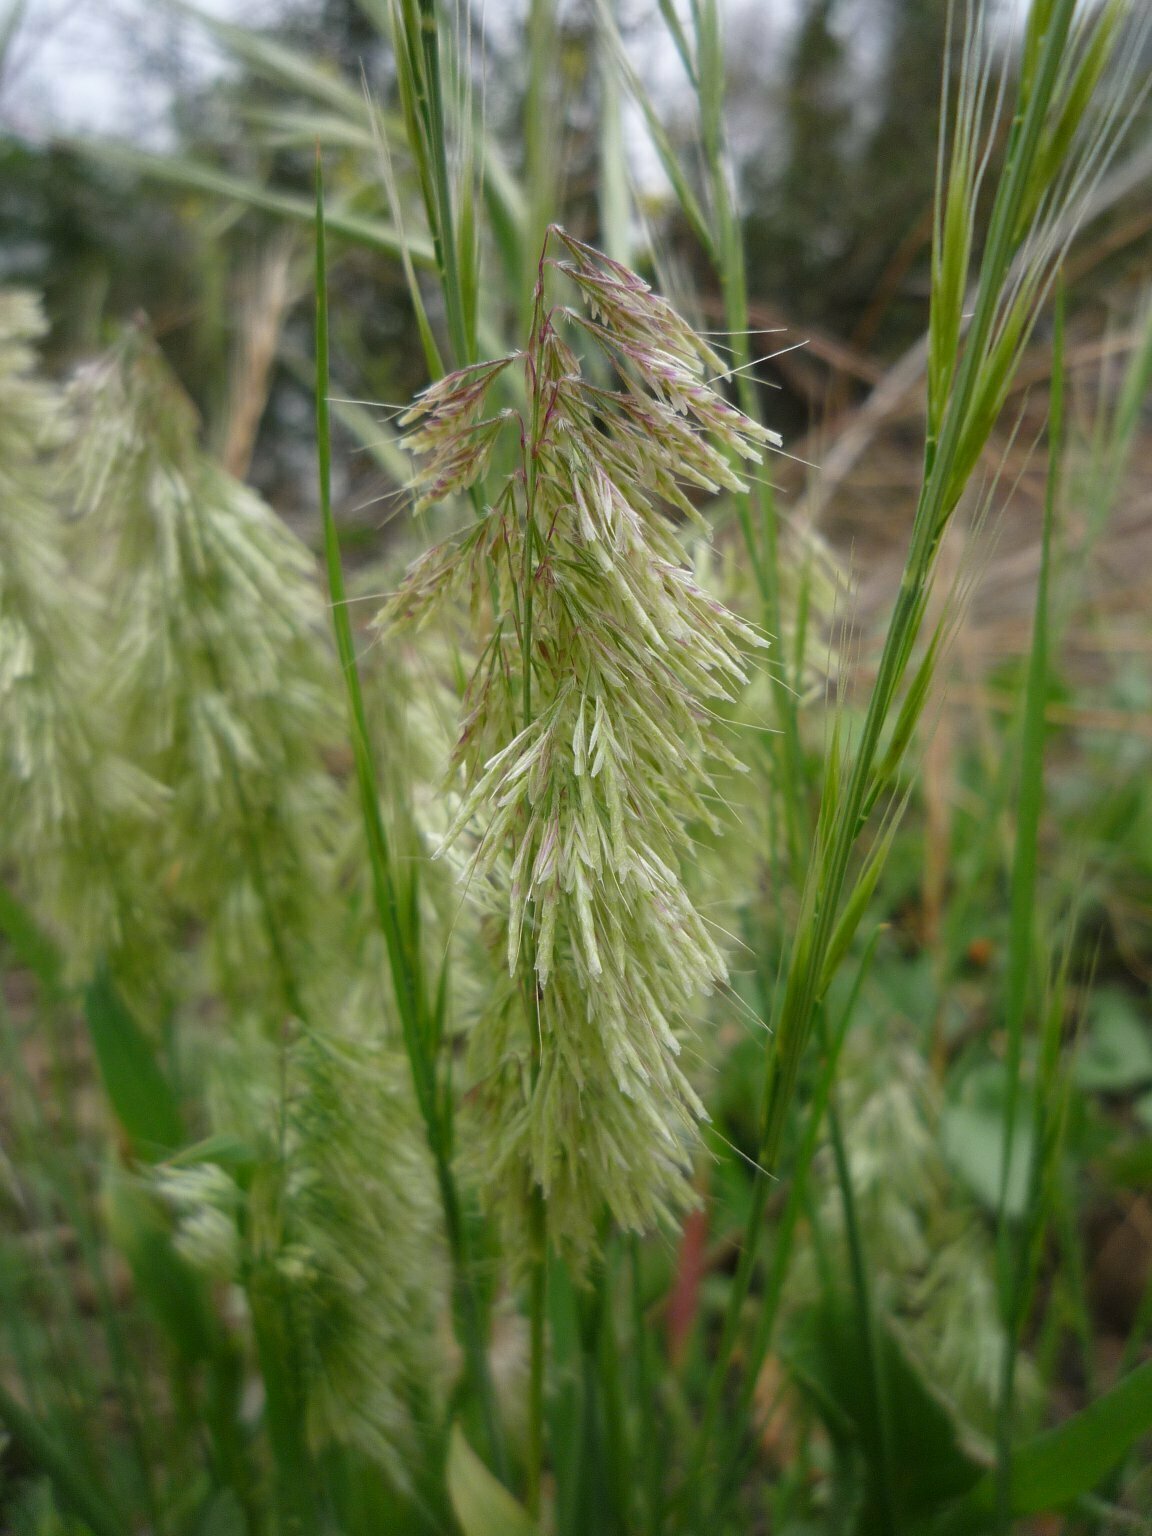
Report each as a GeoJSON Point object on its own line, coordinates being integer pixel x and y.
{"type": "Point", "coordinates": [590, 727]}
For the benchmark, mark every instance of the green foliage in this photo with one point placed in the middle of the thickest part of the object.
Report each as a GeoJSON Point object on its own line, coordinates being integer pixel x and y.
{"type": "Point", "coordinates": [512, 1068]}
{"type": "Point", "coordinates": [932, 1468]}
{"type": "Point", "coordinates": [482, 1505]}
{"type": "Point", "coordinates": [141, 1095]}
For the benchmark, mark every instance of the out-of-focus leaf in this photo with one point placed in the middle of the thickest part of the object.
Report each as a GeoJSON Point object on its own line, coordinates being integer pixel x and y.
{"type": "Point", "coordinates": [69, 1477]}
{"type": "Point", "coordinates": [1130, 1166]}
{"type": "Point", "coordinates": [141, 1096]}
{"type": "Point", "coordinates": [1061, 1465]}
{"type": "Point", "coordinates": [286, 66]}
{"type": "Point", "coordinates": [1116, 1054]}
{"type": "Point", "coordinates": [222, 1515]}
{"type": "Point", "coordinates": [481, 1503]}
{"type": "Point", "coordinates": [294, 129]}
{"type": "Point", "coordinates": [183, 172]}
{"type": "Point", "coordinates": [224, 1150]}
{"type": "Point", "coordinates": [972, 1139]}
{"type": "Point", "coordinates": [33, 947]}
{"type": "Point", "coordinates": [175, 1293]}
{"type": "Point", "coordinates": [825, 1354]}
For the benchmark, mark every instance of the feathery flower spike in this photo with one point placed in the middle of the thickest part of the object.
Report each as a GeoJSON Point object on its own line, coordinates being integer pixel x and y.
{"type": "Point", "coordinates": [587, 737]}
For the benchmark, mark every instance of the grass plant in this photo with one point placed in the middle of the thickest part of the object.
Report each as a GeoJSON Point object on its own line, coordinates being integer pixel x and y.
{"type": "Point", "coordinates": [478, 1073]}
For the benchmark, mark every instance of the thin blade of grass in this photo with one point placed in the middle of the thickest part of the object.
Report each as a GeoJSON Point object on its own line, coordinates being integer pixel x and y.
{"type": "Point", "coordinates": [404, 959]}
{"type": "Point", "coordinates": [182, 171]}
{"type": "Point", "coordinates": [1021, 932]}
{"type": "Point", "coordinates": [76, 1489]}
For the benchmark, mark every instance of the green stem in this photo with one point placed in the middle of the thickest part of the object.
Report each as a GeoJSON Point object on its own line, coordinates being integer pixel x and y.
{"type": "Point", "coordinates": [1012, 1244]}
{"type": "Point", "coordinates": [939, 494]}
{"type": "Point", "coordinates": [540, 126]}
{"type": "Point", "coordinates": [762, 546]}
{"type": "Point", "coordinates": [783, 1247]}
{"type": "Point", "coordinates": [416, 1022]}
{"type": "Point", "coordinates": [538, 1302]}
{"type": "Point", "coordinates": [866, 1318]}
{"type": "Point", "coordinates": [646, 1390]}
{"type": "Point", "coordinates": [538, 1294]}
{"type": "Point", "coordinates": [441, 218]}
{"type": "Point", "coordinates": [619, 1447]}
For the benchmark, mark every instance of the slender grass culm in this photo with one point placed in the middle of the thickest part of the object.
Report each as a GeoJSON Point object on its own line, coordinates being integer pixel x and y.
{"type": "Point", "coordinates": [1059, 141]}
{"type": "Point", "coordinates": [530, 1065]}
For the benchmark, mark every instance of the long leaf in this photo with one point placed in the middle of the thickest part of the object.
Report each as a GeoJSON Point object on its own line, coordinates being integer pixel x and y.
{"type": "Point", "coordinates": [1021, 930]}
{"type": "Point", "coordinates": [285, 66]}
{"type": "Point", "coordinates": [403, 954]}
{"type": "Point", "coordinates": [483, 1506]}
{"type": "Point", "coordinates": [183, 172]}
{"type": "Point", "coordinates": [1055, 1468]}
{"type": "Point", "coordinates": [140, 1094]}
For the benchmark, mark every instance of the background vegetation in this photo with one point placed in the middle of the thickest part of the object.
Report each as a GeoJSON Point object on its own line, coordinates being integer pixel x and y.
{"type": "Point", "coordinates": [256, 1270]}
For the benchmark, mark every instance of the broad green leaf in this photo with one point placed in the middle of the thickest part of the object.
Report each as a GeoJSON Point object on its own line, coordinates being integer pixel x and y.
{"type": "Point", "coordinates": [140, 1094]}
{"type": "Point", "coordinates": [826, 1355]}
{"type": "Point", "coordinates": [1071, 1459]}
{"type": "Point", "coordinates": [1116, 1053]}
{"type": "Point", "coordinates": [972, 1137]}
{"type": "Point", "coordinates": [481, 1503]}
{"type": "Point", "coordinates": [1061, 1465]}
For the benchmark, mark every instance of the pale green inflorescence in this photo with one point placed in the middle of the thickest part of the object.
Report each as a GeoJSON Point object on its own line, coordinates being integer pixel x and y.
{"type": "Point", "coordinates": [39, 736]}
{"type": "Point", "coordinates": [587, 739]}
{"type": "Point", "coordinates": [217, 674]}
{"type": "Point", "coordinates": [72, 807]}
{"type": "Point", "coordinates": [340, 1245]}
{"type": "Point", "coordinates": [364, 1223]}
{"type": "Point", "coordinates": [216, 668]}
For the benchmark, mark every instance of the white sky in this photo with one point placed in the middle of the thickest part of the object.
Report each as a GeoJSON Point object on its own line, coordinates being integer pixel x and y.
{"type": "Point", "coordinates": [84, 65]}
{"type": "Point", "coordinates": [103, 67]}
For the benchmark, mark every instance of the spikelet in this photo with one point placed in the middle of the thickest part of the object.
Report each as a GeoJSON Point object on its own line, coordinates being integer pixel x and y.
{"type": "Point", "coordinates": [585, 747]}
{"type": "Point", "coordinates": [204, 1202]}
{"type": "Point", "coordinates": [71, 808]}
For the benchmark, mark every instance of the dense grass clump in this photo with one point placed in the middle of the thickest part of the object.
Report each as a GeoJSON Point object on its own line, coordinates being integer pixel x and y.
{"type": "Point", "coordinates": [622, 1043]}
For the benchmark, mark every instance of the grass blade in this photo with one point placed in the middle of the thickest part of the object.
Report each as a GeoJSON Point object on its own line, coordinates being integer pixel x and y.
{"type": "Point", "coordinates": [1057, 1467]}
{"type": "Point", "coordinates": [73, 1485]}
{"type": "Point", "coordinates": [140, 1094]}
{"type": "Point", "coordinates": [181, 171]}
{"type": "Point", "coordinates": [1010, 1262]}
{"type": "Point", "coordinates": [403, 955]}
